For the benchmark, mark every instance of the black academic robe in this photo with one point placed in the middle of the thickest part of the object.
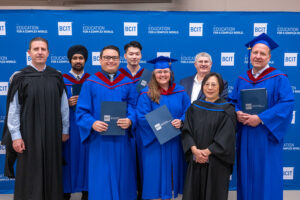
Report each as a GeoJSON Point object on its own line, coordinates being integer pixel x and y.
{"type": "Point", "coordinates": [39, 167]}
{"type": "Point", "coordinates": [212, 126]}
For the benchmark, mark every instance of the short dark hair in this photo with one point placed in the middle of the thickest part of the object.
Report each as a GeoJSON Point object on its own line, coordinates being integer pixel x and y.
{"type": "Point", "coordinates": [219, 78]}
{"type": "Point", "coordinates": [110, 47]}
{"type": "Point", "coordinates": [135, 44]}
{"type": "Point", "coordinates": [38, 39]}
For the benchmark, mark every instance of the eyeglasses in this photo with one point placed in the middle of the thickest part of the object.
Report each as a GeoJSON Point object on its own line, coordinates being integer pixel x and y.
{"type": "Point", "coordinates": [108, 58]}
{"type": "Point", "coordinates": [162, 72]}
{"type": "Point", "coordinates": [213, 85]}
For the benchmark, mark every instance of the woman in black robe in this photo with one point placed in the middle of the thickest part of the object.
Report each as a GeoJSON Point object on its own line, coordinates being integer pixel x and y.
{"type": "Point", "coordinates": [208, 139]}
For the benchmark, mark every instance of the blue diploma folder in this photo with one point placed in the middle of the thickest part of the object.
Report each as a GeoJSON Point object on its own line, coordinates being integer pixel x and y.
{"type": "Point", "coordinates": [254, 101]}
{"type": "Point", "coordinates": [144, 80]}
{"type": "Point", "coordinates": [160, 122]}
{"type": "Point", "coordinates": [111, 111]}
{"type": "Point", "coordinates": [75, 90]}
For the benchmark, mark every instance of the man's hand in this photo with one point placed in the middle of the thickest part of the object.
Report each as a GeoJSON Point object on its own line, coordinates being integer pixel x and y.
{"type": "Point", "coordinates": [176, 123]}
{"type": "Point", "coordinates": [124, 123]}
{"type": "Point", "coordinates": [241, 116]}
{"type": "Point", "coordinates": [73, 100]}
{"type": "Point", "coordinates": [65, 137]}
{"type": "Point", "coordinates": [253, 120]}
{"type": "Point", "coordinates": [100, 126]}
{"type": "Point", "coordinates": [18, 145]}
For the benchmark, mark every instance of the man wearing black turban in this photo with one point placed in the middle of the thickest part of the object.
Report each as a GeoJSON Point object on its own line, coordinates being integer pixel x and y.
{"type": "Point", "coordinates": [75, 153]}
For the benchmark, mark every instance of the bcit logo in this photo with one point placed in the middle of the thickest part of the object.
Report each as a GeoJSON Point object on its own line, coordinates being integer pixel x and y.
{"type": "Point", "coordinates": [2, 149]}
{"type": "Point", "coordinates": [288, 173]}
{"type": "Point", "coordinates": [96, 58]}
{"type": "Point", "coordinates": [290, 59]}
{"type": "Point", "coordinates": [3, 88]}
{"type": "Point", "coordinates": [2, 28]}
{"type": "Point", "coordinates": [166, 54]}
{"type": "Point", "coordinates": [130, 29]}
{"type": "Point", "coordinates": [64, 28]}
{"type": "Point", "coordinates": [196, 29]}
{"type": "Point", "coordinates": [28, 59]}
{"type": "Point", "coordinates": [227, 59]}
{"type": "Point", "coordinates": [260, 28]}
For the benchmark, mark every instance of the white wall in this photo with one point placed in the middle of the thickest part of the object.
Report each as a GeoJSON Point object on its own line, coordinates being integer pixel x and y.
{"type": "Point", "coordinates": [185, 5]}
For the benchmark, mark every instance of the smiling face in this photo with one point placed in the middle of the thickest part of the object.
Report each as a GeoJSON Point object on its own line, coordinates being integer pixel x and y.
{"type": "Point", "coordinates": [133, 56]}
{"type": "Point", "coordinates": [203, 65]}
{"type": "Point", "coordinates": [38, 52]}
{"type": "Point", "coordinates": [77, 62]}
{"type": "Point", "coordinates": [163, 76]}
{"type": "Point", "coordinates": [110, 60]}
{"type": "Point", "coordinates": [211, 89]}
{"type": "Point", "coordinates": [260, 56]}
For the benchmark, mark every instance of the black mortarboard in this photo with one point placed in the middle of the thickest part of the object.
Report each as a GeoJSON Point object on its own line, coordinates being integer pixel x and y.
{"type": "Point", "coordinates": [162, 62]}
{"type": "Point", "coordinates": [77, 49]}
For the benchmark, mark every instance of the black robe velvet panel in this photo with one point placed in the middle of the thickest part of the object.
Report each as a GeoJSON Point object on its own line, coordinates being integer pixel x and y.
{"type": "Point", "coordinates": [39, 167]}
{"type": "Point", "coordinates": [212, 126]}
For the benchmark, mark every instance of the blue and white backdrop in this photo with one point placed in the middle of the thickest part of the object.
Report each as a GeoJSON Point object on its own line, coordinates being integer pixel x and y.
{"type": "Point", "coordinates": [180, 35]}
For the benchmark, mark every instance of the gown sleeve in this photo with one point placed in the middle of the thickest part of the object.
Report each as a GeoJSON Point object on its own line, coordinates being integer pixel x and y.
{"type": "Point", "coordinates": [84, 110]}
{"type": "Point", "coordinates": [187, 138]}
{"type": "Point", "coordinates": [144, 106]}
{"type": "Point", "coordinates": [278, 116]}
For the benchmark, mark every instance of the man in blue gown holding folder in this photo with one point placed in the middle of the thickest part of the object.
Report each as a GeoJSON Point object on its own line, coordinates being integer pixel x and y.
{"type": "Point", "coordinates": [75, 170]}
{"type": "Point", "coordinates": [112, 168]}
{"type": "Point", "coordinates": [260, 136]}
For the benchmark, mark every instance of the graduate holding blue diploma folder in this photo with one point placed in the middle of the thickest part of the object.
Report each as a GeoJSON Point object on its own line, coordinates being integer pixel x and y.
{"type": "Point", "coordinates": [163, 165]}
{"type": "Point", "coordinates": [260, 136]}
{"type": "Point", "coordinates": [112, 168]}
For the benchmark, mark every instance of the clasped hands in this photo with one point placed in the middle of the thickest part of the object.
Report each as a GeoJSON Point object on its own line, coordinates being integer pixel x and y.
{"type": "Point", "coordinates": [200, 155]}
{"type": "Point", "coordinates": [101, 126]}
{"type": "Point", "coordinates": [247, 119]}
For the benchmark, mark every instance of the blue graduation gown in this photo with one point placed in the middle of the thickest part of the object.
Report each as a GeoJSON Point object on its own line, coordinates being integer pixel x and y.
{"type": "Point", "coordinates": [112, 169]}
{"type": "Point", "coordinates": [161, 163]}
{"type": "Point", "coordinates": [75, 153]}
{"type": "Point", "coordinates": [259, 149]}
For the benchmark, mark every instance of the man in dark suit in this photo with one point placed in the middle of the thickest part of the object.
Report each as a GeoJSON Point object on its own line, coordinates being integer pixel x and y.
{"type": "Point", "coordinates": [192, 84]}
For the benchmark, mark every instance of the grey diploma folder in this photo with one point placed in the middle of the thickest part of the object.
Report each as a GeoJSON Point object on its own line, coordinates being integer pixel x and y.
{"type": "Point", "coordinates": [254, 101]}
{"type": "Point", "coordinates": [111, 111]}
{"type": "Point", "coordinates": [160, 123]}
{"type": "Point", "coordinates": [144, 80]}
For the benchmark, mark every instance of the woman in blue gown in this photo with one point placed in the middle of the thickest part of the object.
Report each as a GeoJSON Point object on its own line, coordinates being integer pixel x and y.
{"type": "Point", "coordinates": [163, 165]}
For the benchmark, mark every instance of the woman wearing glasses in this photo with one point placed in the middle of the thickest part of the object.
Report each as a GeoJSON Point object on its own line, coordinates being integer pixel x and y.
{"type": "Point", "coordinates": [208, 138]}
{"type": "Point", "coordinates": [163, 165]}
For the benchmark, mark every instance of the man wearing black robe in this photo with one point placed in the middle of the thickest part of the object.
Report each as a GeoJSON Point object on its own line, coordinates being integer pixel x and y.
{"type": "Point", "coordinates": [37, 115]}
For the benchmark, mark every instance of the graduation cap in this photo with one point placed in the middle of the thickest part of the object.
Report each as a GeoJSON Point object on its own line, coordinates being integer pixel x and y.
{"type": "Point", "coordinates": [162, 62]}
{"type": "Point", "coordinates": [261, 39]}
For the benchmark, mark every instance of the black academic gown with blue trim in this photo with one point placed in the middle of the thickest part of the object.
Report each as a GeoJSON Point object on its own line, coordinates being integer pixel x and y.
{"type": "Point", "coordinates": [212, 126]}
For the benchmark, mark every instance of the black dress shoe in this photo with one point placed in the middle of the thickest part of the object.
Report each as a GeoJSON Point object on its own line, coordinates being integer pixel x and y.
{"type": "Point", "coordinates": [67, 196]}
{"type": "Point", "coordinates": [85, 195]}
